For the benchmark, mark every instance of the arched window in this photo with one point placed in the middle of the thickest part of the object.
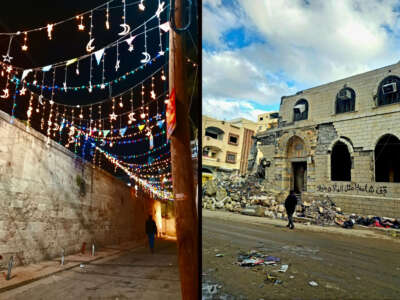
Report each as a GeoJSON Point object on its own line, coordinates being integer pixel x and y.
{"type": "Point", "coordinates": [388, 91]}
{"type": "Point", "coordinates": [345, 100]}
{"type": "Point", "coordinates": [300, 110]}
{"type": "Point", "coordinates": [340, 162]}
{"type": "Point", "coordinates": [387, 159]}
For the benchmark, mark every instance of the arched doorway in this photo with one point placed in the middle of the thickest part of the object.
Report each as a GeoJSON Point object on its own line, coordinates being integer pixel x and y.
{"type": "Point", "coordinates": [297, 158]}
{"type": "Point", "coordinates": [340, 162]}
{"type": "Point", "coordinates": [387, 159]}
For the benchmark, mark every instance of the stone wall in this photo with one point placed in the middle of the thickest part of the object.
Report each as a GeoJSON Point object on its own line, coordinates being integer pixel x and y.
{"type": "Point", "coordinates": [359, 130]}
{"type": "Point", "coordinates": [42, 209]}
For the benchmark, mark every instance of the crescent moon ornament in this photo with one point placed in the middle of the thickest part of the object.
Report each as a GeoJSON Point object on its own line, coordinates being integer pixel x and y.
{"type": "Point", "coordinates": [126, 29]}
{"type": "Point", "coordinates": [160, 9]}
{"type": "Point", "coordinates": [6, 94]}
{"type": "Point", "coordinates": [89, 46]}
{"type": "Point", "coordinates": [141, 5]}
{"type": "Point", "coordinates": [146, 58]}
{"type": "Point", "coordinates": [56, 127]}
{"type": "Point", "coordinates": [41, 99]}
{"type": "Point", "coordinates": [103, 143]}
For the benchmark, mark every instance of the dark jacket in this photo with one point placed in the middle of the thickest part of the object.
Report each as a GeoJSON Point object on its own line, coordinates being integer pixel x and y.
{"type": "Point", "coordinates": [151, 227]}
{"type": "Point", "coordinates": [290, 204]}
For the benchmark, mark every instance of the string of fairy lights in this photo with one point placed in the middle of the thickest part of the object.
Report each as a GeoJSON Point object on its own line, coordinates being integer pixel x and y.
{"type": "Point", "coordinates": [100, 130]}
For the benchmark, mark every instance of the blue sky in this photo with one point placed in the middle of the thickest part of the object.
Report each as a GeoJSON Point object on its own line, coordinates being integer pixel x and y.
{"type": "Point", "coordinates": [256, 51]}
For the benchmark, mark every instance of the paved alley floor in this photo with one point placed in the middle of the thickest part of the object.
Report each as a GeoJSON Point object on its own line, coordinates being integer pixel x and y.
{"type": "Point", "coordinates": [136, 274]}
{"type": "Point", "coordinates": [344, 265]}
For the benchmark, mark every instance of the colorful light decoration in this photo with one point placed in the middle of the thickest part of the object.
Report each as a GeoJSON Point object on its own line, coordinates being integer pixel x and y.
{"type": "Point", "coordinates": [75, 134]}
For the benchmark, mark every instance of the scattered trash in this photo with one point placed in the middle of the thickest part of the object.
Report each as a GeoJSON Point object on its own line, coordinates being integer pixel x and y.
{"type": "Point", "coordinates": [283, 268]}
{"type": "Point", "coordinates": [270, 278]}
{"type": "Point", "coordinates": [82, 265]}
{"type": "Point", "coordinates": [291, 276]}
{"type": "Point", "coordinates": [219, 255]}
{"type": "Point", "coordinates": [272, 258]}
{"type": "Point", "coordinates": [313, 283]}
{"type": "Point", "coordinates": [358, 278]}
{"type": "Point", "coordinates": [278, 282]}
{"type": "Point", "coordinates": [251, 262]}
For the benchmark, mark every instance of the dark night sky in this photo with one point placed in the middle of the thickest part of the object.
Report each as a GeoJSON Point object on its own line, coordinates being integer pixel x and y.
{"type": "Point", "coordinates": [68, 43]}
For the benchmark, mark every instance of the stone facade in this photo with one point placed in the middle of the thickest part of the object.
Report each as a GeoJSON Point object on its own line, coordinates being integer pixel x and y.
{"type": "Point", "coordinates": [42, 207]}
{"type": "Point", "coordinates": [303, 152]}
{"type": "Point", "coordinates": [218, 148]}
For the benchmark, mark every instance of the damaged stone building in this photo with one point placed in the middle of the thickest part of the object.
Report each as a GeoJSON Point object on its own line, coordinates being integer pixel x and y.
{"type": "Point", "coordinates": [339, 140]}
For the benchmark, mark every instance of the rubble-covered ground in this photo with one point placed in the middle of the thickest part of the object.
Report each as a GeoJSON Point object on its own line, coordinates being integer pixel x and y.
{"type": "Point", "coordinates": [248, 196]}
{"type": "Point", "coordinates": [237, 259]}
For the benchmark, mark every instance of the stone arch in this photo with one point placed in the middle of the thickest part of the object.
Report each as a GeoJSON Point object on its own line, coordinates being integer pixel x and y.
{"type": "Point", "coordinates": [341, 161]}
{"type": "Point", "coordinates": [295, 147]}
{"type": "Point", "coordinates": [345, 141]}
{"type": "Point", "coordinates": [387, 159]}
{"type": "Point", "coordinates": [284, 140]}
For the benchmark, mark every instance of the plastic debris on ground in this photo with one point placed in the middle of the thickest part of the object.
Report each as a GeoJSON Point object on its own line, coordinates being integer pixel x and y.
{"type": "Point", "coordinates": [283, 268]}
{"type": "Point", "coordinates": [313, 283]}
{"type": "Point", "coordinates": [219, 255]}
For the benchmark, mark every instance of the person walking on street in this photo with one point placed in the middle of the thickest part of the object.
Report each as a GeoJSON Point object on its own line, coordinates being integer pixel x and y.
{"type": "Point", "coordinates": [290, 205]}
{"type": "Point", "coordinates": [151, 231]}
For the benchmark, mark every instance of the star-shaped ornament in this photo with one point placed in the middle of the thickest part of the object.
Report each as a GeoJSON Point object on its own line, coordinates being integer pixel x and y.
{"type": "Point", "coordinates": [161, 53]}
{"type": "Point", "coordinates": [7, 58]}
{"type": "Point", "coordinates": [113, 116]}
{"type": "Point", "coordinates": [22, 91]}
{"type": "Point", "coordinates": [130, 49]}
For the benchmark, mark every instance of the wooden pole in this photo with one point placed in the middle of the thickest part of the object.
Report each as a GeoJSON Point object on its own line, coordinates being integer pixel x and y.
{"type": "Point", "coordinates": [186, 218]}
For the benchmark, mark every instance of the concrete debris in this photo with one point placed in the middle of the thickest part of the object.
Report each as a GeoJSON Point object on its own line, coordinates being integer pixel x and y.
{"type": "Point", "coordinates": [247, 195]}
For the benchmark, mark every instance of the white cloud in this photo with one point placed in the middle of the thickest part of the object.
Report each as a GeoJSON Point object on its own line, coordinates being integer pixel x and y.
{"type": "Point", "coordinates": [325, 40]}
{"type": "Point", "coordinates": [219, 19]}
{"type": "Point", "coordinates": [229, 74]}
{"type": "Point", "coordinates": [309, 44]}
{"type": "Point", "coordinates": [227, 110]}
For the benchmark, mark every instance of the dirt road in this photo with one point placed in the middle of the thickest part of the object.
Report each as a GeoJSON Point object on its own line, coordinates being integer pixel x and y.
{"type": "Point", "coordinates": [137, 274]}
{"type": "Point", "coordinates": [344, 266]}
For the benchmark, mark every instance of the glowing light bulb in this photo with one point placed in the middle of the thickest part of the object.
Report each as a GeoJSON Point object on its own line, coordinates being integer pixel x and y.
{"type": "Point", "coordinates": [142, 115]}
{"type": "Point", "coordinates": [81, 116]}
{"type": "Point", "coordinates": [163, 77]}
{"type": "Point", "coordinates": [121, 104]}
{"type": "Point", "coordinates": [24, 48]}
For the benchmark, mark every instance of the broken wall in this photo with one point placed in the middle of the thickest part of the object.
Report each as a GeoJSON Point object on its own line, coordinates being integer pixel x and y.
{"type": "Point", "coordinates": [360, 130]}
{"type": "Point", "coordinates": [43, 209]}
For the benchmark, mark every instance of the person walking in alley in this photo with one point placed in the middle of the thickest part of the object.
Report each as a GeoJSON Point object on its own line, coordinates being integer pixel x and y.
{"type": "Point", "coordinates": [290, 205]}
{"type": "Point", "coordinates": [151, 231]}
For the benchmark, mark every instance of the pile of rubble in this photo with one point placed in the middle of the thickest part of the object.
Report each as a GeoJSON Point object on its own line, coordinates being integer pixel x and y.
{"type": "Point", "coordinates": [247, 195]}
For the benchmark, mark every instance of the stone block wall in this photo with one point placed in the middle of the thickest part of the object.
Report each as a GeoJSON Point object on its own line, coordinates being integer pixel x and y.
{"type": "Point", "coordinates": [41, 207]}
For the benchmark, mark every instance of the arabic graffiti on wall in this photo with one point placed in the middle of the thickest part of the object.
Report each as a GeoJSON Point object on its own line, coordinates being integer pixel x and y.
{"type": "Point", "coordinates": [351, 187]}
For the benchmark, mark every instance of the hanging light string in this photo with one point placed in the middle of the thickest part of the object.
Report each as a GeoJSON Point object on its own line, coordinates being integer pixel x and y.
{"type": "Point", "coordinates": [76, 88]}
{"type": "Point", "coordinates": [103, 6]}
{"type": "Point", "coordinates": [156, 161]}
{"type": "Point", "coordinates": [131, 156]}
{"type": "Point", "coordinates": [109, 46]}
{"type": "Point", "coordinates": [42, 87]}
{"type": "Point", "coordinates": [144, 183]}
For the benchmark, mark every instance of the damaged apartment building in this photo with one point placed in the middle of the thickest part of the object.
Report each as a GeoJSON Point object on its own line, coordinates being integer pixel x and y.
{"type": "Point", "coordinates": [339, 140]}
